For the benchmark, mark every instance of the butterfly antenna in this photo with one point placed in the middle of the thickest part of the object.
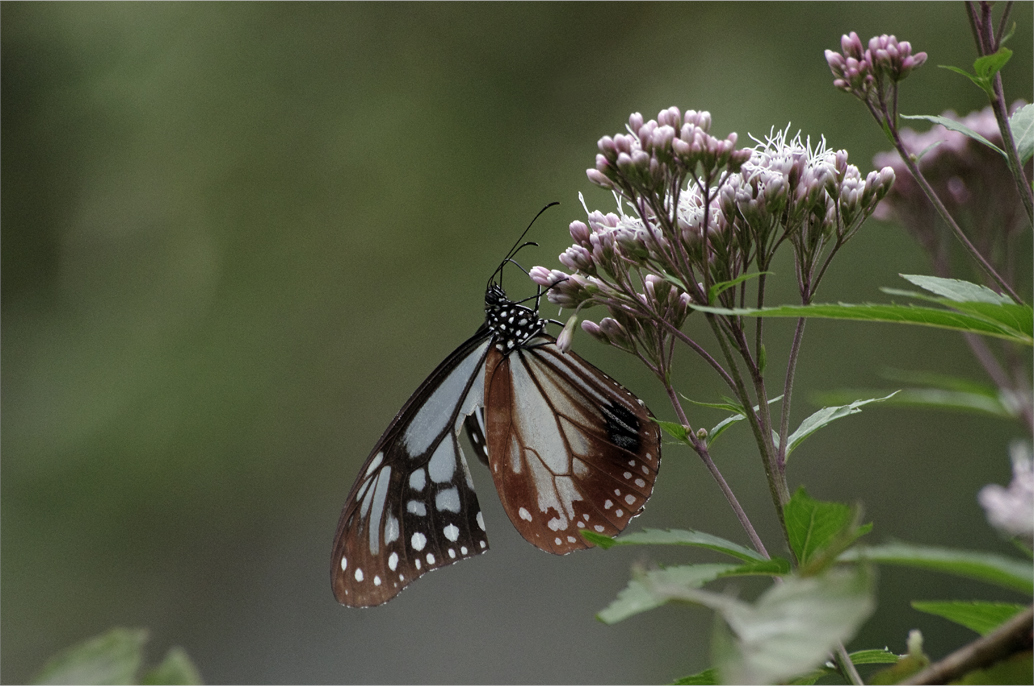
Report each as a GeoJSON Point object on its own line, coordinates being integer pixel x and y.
{"type": "Point", "coordinates": [516, 247]}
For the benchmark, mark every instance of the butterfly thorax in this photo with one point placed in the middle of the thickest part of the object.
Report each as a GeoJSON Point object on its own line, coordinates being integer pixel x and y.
{"type": "Point", "coordinates": [511, 324]}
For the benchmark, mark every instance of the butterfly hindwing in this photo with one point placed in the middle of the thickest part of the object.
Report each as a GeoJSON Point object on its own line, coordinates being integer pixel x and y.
{"type": "Point", "coordinates": [413, 507]}
{"type": "Point", "coordinates": [569, 448]}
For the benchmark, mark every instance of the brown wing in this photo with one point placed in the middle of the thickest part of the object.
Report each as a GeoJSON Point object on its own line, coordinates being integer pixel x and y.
{"type": "Point", "coordinates": [569, 448]}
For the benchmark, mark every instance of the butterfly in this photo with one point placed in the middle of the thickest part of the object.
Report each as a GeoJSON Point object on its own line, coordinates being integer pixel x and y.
{"type": "Point", "coordinates": [569, 449]}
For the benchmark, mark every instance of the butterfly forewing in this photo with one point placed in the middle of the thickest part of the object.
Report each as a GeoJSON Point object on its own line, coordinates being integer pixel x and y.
{"type": "Point", "coordinates": [568, 447]}
{"type": "Point", "coordinates": [413, 507]}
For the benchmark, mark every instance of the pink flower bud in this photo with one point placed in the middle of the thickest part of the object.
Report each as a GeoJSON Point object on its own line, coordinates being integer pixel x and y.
{"type": "Point", "coordinates": [566, 337]}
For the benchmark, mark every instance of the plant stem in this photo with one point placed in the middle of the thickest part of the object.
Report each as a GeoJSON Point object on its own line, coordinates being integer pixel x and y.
{"type": "Point", "coordinates": [791, 370]}
{"type": "Point", "coordinates": [705, 455]}
{"type": "Point", "coordinates": [779, 496]}
{"type": "Point", "coordinates": [988, 44]}
{"type": "Point", "coordinates": [906, 157]}
{"type": "Point", "coordinates": [847, 667]}
{"type": "Point", "coordinates": [1010, 638]}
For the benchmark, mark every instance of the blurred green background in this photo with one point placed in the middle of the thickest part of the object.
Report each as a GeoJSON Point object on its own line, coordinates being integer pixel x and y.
{"type": "Point", "coordinates": [236, 237]}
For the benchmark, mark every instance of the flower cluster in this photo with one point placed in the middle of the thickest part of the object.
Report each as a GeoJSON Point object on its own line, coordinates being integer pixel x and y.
{"type": "Point", "coordinates": [694, 211]}
{"type": "Point", "coordinates": [971, 179]}
{"type": "Point", "coordinates": [863, 72]}
{"type": "Point", "coordinates": [1011, 510]}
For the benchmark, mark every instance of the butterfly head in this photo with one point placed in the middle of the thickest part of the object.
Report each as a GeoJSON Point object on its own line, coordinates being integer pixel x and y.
{"type": "Point", "coordinates": [510, 323]}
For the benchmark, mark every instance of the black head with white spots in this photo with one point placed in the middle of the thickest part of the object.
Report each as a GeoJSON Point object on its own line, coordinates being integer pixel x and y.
{"type": "Point", "coordinates": [511, 324]}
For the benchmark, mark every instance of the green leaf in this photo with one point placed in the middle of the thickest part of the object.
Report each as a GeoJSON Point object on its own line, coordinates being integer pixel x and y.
{"type": "Point", "coordinates": [601, 541]}
{"type": "Point", "coordinates": [957, 290]}
{"type": "Point", "coordinates": [826, 416]}
{"type": "Point", "coordinates": [739, 415]}
{"type": "Point", "coordinates": [716, 289]}
{"type": "Point", "coordinates": [639, 595]}
{"type": "Point", "coordinates": [979, 616]}
{"type": "Point", "coordinates": [1022, 124]}
{"type": "Point", "coordinates": [790, 629]}
{"type": "Point", "coordinates": [675, 430]}
{"type": "Point", "coordinates": [708, 677]}
{"type": "Point", "coordinates": [671, 278]}
{"type": "Point", "coordinates": [895, 314]}
{"type": "Point", "coordinates": [111, 658]}
{"type": "Point", "coordinates": [932, 398]}
{"type": "Point", "coordinates": [814, 526]}
{"type": "Point", "coordinates": [982, 84]}
{"type": "Point", "coordinates": [880, 656]}
{"type": "Point", "coordinates": [176, 668]}
{"type": "Point", "coordinates": [777, 566]}
{"type": "Point", "coordinates": [956, 126]}
{"type": "Point", "coordinates": [1002, 571]}
{"type": "Point", "coordinates": [677, 537]}
{"type": "Point", "coordinates": [989, 65]}
{"type": "Point", "coordinates": [1013, 316]}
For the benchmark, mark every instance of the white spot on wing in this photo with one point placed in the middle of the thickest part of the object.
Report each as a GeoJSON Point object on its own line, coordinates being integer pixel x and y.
{"type": "Point", "coordinates": [377, 510]}
{"type": "Point", "coordinates": [525, 515]}
{"type": "Point", "coordinates": [417, 480]}
{"type": "Point", "coordinates": [393, 561]}
{"type": "Point", "coordinates": [391, 530]}
{"type": "Point", "coordinates": [344, 563]}
{"type": "Point", "coordinates": [451, 532]}
{"type": "Point", "coordinates": [416, 507]}
{"type": "Point", "coordinates": [375, 463]}
{"type": "Point", "coordinates": [448, 500]}
{"type": "Point", "coordinates": [481, 523]}
{"type": "Point", "coordinates": [418, 541]}
{"type": "Point", "coordinates": [443, 463]}
{"type": "Point", "coordinates": [358, 574]}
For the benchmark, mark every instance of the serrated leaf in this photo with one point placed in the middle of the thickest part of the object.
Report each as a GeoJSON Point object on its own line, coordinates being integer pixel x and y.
{"type": "Point", "coordinates": [1014, 316]}
{"type": "Point", "coordinates": [679, 537]}
{"type": "Point", "coordinates": [1022, 124]}
{"type": "Point", "coordinates": [790, 629]}
{"type": "Point", "coordinates": [979, 616]}
{"type": "Point", "coordinates": [811, 525]}
{"type": "Point", "coordinates": [957, 126]}
{"type": "Point", "coordinates": [708, 677]}
{"type": "Point", "coordinates": [1002, 571]}
{"type": "Point", "coordinates": [825, 416]}
{"type": "Point", "coordinates": [111, 658]}
{"type": "Point", "coordinates": [957, 289]}
{"type": "Point", "coordinates": [639, 596]}
{"type": "Point", "coordinates": [176, 668]}
{"type": "Point", "coordinates": [891, 314]}
{"type": "Point", "coordinates": [989, 65]}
